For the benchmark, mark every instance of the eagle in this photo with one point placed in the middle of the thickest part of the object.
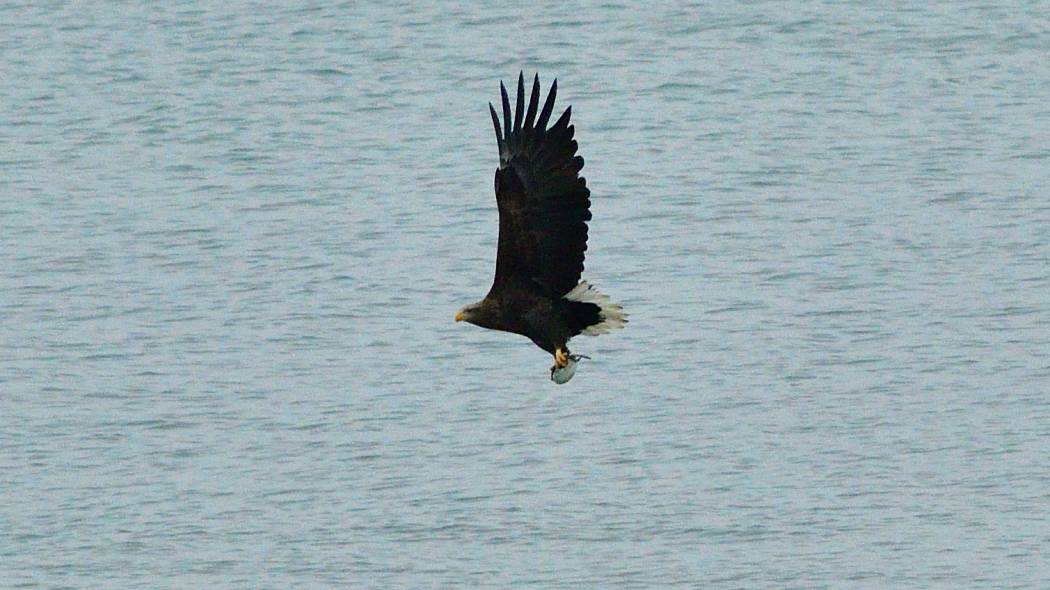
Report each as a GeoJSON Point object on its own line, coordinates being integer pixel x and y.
{"type": "Point", "coordinates": [544, 207]}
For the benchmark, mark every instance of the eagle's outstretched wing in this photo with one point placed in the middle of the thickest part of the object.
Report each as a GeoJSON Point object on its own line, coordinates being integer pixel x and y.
{"type": "Point", "coordinates": [544, 204]}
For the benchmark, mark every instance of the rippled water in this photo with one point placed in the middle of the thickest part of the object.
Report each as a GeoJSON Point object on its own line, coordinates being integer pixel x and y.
{"type": "Point", "coordinates": [233, 237]}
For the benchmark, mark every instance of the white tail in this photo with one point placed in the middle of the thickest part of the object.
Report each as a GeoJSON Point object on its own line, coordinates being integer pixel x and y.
{"type": "Point", "coordinates": [611, 314]}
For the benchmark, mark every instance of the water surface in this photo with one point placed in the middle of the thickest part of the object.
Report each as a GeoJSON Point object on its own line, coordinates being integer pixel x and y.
{"type": "Point", "coordinates": [234, 236]}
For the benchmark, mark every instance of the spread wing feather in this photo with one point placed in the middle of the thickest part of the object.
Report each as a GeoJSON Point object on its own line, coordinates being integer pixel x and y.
{"type": "Point", "coordinates": [544, 203]}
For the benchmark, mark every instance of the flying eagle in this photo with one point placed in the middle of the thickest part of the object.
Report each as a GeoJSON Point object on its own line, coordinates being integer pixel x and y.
{"type": "Point", "coordinates": [544, 207]}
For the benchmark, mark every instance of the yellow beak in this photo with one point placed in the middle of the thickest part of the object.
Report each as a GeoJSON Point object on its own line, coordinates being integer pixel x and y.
{"type": "Point", "coordinates": [460, 317]}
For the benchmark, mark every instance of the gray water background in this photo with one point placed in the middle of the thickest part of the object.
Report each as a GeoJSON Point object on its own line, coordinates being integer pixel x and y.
{"type": "Point", "coordinates": [233, 236]}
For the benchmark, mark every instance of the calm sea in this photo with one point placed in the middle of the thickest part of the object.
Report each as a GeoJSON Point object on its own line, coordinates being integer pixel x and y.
{"type": "Point", "coordinates": [233, 236]}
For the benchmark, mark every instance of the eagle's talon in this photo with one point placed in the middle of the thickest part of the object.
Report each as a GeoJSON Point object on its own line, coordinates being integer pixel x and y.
{"type": "Point", "coordinates": [561, 358]}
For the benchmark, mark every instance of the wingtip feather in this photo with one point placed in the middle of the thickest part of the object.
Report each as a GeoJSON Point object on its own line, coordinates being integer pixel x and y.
{"type": "Point", "coordinates": [506, 110]}
{"type": "Point", "coordinates": [563, 121]}
{"type": "Point", "coordinates": [548, 107]}
{"type": "Point", "coordinates": [495, 124]}
{"type": "Point", "coordinates": [534, 103]}
{"type": "Point", "coordinates": [519, 107]}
